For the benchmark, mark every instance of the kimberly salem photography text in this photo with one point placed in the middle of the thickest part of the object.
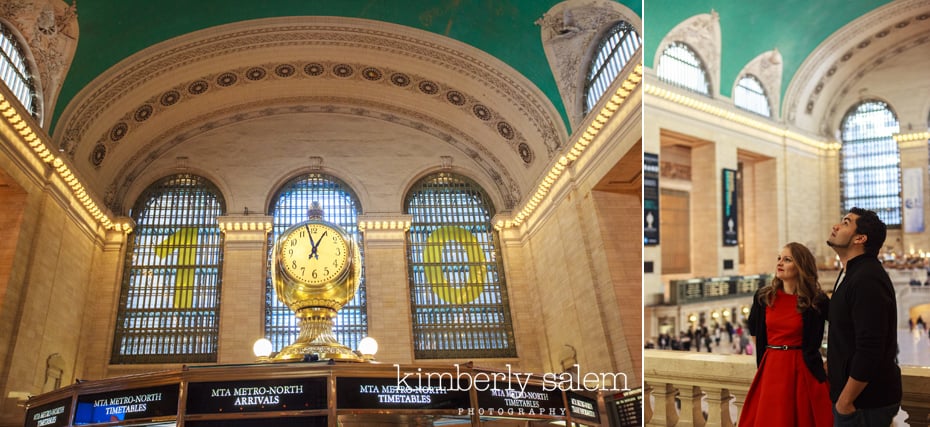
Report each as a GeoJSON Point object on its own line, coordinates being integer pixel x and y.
{"type": "Point", "coordinates": [574, 379]}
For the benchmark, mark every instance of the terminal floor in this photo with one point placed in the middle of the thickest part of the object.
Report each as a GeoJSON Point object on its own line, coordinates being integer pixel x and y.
{"type": "Point", "coordinates": [914, 347]}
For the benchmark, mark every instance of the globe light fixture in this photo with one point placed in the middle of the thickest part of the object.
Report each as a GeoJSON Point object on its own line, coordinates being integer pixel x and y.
{"type": "Point", "coordinates": [368, 347]}
{"type": "Point", "coordinates": [262, 349]}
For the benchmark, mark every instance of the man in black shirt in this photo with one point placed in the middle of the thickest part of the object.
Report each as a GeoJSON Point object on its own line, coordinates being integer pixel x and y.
{"type": "Point", "coordinates": [862, 344]}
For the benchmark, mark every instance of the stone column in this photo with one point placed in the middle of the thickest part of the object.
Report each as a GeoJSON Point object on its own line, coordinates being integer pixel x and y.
{"type": "Point", "coordinates": [242, 300]}
{"type": "Point", "coordinates": [388, 291]}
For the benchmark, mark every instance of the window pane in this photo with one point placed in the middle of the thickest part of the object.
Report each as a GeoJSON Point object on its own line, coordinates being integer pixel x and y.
{"type": "Point", "coordinates": [613, 53]}
{"type": "Point", "coordinates": [457, 286]}
{"type": "Point", "coordinates": [750, 95]}
{"type": "Point", "coordinates": [340, 207]}
{"type": "Point", "coordinates": [170, 298]}
{"type": "Point", "coordinates": [680, 66]}
{"type": "Point", "coordinates": [15, 73]}
{"type": "Point", "coordinates": [870, 162]}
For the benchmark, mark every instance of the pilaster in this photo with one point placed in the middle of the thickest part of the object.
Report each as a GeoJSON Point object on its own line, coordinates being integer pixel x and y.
{"type": "Point", "coordinates": [243, 289]}
{"type": "Point", "coordinates": [386, 281]}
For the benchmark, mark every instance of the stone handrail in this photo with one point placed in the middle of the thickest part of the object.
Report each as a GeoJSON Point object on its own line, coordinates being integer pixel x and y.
{"type": "Point", "coordinates": [711, 389]}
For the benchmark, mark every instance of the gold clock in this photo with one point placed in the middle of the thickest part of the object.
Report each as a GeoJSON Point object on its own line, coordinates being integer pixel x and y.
{"type": "Point", "coordinates": [314, 253]}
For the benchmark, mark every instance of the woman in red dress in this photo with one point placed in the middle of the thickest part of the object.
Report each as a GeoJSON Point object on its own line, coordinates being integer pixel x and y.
{"type": "Point", "coordinates": [787, 321]}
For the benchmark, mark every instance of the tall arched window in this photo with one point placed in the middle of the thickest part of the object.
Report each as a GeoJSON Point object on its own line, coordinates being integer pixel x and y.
{"type": "Point", "coordinates": [341, 207]}
{"type": "Point", "coordinates": [457, 288]}
{"type": "Point", "coordinates": [614, 51]}
{"type": "Point", "coordinates": [15, 73]}
{"type": "Point", "coordinates": [680, 66]}
{"type": "Point", "coordinates": [170, 297]}
{"type": "Point", "coordinates": [870, 173]}
{"type": "Point", "coordinates": [750, 95]}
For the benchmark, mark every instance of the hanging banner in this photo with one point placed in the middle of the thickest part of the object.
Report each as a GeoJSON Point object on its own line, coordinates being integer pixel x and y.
{"type": "Point", "coordinates": [730, 217]}
{"type": "Point", "coordinates": [650, 199]}
{"type": "Point", "coordinates": [913, 194]}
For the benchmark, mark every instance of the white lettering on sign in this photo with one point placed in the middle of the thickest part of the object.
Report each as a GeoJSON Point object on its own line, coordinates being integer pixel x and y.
{"type": "Point", "coordinates": [127, 404]}
{"type": "Point", "coordinates": [402, 393]}
{"type": "Point", "coordinates": [252, 396]}
{"type": "Point", "coordinates": [45, 418]}
{"type": "Point", "coordinates": [583, 408]}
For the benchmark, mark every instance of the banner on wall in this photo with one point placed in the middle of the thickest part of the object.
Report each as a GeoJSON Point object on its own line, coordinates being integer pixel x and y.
{"type": "Point", "coordinates": [650, 199]}
{"type": "Point", "coordinates": [913, 195]}
{"type": "Point", "coordinates": [730, 217]}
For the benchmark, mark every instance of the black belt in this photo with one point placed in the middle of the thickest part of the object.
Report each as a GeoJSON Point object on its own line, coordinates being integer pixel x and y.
{"type": "Point", "coordinates": [784, 347]}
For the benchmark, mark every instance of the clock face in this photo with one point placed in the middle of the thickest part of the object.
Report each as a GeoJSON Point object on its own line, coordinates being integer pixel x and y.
{"type": "Point", "coordinates": [314, 253]}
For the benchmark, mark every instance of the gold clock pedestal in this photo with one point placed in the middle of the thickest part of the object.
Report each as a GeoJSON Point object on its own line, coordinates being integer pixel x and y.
{"type": "Point", "coordinates": [316, 337]}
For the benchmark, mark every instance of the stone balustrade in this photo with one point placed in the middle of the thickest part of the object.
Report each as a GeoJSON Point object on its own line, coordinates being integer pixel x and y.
{"type": "Point", "coordinates": [711, 389]}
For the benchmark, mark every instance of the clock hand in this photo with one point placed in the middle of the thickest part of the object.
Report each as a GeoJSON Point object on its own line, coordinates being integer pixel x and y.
{"type": "Point", "coordinates": [318, 244]}
{"type": "Point", "coordinates": [312, 245]}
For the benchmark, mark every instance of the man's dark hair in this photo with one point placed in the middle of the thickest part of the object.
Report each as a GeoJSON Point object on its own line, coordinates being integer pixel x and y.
{"type": "Point", "coordinates": [872, 227]}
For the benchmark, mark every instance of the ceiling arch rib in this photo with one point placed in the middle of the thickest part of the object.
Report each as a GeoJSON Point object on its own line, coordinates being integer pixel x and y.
{"type": "Point", "coordinates": [353, 58]}
{"type": "Point", "coordinates": [832, 77]}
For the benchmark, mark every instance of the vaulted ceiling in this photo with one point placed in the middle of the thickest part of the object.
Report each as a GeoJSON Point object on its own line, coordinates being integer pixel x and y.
{"type": "Point", "coordinates": [111, 31]}
{"type": "Point", "coordinates": [250, 93]}
{"type": "Point", "coordinates": [834, 53]}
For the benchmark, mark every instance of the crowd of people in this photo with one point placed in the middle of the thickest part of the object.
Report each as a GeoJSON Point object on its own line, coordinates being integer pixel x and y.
{"type": "Point", "coordinates": [725, 339]}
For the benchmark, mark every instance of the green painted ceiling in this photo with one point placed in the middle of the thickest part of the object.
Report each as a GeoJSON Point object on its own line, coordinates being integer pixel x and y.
{"type": "Point", "coordinates": [111, 30]}
{"type": "Point", "coordinates": [748, 28]}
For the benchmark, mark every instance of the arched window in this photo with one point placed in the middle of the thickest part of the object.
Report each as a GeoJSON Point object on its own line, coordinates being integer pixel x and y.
{"type": "Point", "coordinates": [750, 95]}
{"type": "Point", "coordinates": [15, 73]}
{"type": "Point", "coordinates": [170, 297]}
{"type": "Point", "coordinates": [870, 171]}
{"type": "Point", "coordinates": [680, 66]}
{"type": "Point", "coordinates": [457, 288]}
{"type": "Point", "coordinates": [613, 53]}
{"type": "Point", "coordinates": [340, 207]}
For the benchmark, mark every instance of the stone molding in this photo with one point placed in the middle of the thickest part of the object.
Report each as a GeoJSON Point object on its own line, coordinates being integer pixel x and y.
{"type": "Point", "coordinates": [355, 38]}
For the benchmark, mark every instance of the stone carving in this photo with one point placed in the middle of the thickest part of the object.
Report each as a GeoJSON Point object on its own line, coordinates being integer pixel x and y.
{"type": "Point", "coordinates": [702, 34]}
{"type": "Point", "coordinates": [568, 31]}
{"type": "Point", "coordinates": [767, 68]}
{"type": "Point", "coordinates": [49, 28]}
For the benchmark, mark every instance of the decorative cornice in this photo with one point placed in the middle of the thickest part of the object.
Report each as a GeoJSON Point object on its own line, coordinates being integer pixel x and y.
{"type": "Point", "coordinates": [737, 118]}
{"type": "Point", "coordinates": [328, 32]}
{"type": "Point", "coordinates": [610, 102]}
{"type": "Point", "coordinates": [912, 140]}
{"type": "Point", "coordinates": [227, 223]}
{"type": "Point", "coordinates": [29, 137]}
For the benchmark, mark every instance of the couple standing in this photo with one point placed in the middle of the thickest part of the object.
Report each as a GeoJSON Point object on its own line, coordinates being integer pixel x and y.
{"type": "Point", "coordinates": [862, 381]}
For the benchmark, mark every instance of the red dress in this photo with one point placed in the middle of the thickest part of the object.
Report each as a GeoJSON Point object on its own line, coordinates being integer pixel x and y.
{"type": "Point", "coordinates": [784, 392]}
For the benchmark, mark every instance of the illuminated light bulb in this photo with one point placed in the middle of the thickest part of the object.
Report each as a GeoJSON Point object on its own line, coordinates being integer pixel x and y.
{"type": "Point", "coordinates": [262, 348]}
